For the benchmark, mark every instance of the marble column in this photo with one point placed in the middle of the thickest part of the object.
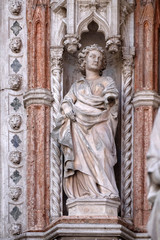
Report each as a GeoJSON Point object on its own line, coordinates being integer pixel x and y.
{"type": "Point", "coordinates": [56, 166]}
{"type": "Point", "coordinates": [127, 134]}
{"type": "Point", "coordinates": [38, 101]}
{"type": "Point", "coordinates": [145, 102]}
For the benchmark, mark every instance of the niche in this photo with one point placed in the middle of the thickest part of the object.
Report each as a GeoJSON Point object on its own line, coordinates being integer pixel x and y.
{"type": "Point", "coordinates": [71, 73]}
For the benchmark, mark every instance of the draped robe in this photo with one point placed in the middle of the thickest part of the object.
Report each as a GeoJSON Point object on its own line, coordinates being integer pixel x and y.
{"type": "Point", "coordinates": [88, 142]}
{"type": "Point", "coordinates": [153, 166]}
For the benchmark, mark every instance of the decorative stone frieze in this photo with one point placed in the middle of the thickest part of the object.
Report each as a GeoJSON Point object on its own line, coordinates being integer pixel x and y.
{"type": "Point", "coordinates": [15, 157]}
{"type": "Point", "coordinates": [13, 132]}
{"type": "Point", "coordinates": [15, 229]}
{"type": "Point", "coordinates": [15, 6]}
{"type": "Point", "coordinates": [15, 44]}
{"type": "Point", "coordinates": [72, 43]}
{"type": "Point", "coordinates": [113, 44]}
{"type": "Point", "coordinates": [146, 98]}
{"type": "Point", "coordinates": [15, 82]}
{"type": "Point", "coordinates": [15, 193]}
{"type": "Point", "coordinates": [15, 122]}
{"type": "Point", "coordinates": [38, 96]}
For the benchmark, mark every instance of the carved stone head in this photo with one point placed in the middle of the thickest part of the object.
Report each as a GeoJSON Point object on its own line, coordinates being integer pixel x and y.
{"type": "Point", "coordinates": [113, 44]}
{"type": "Point", "coordinates": [15, 193]}
{"type": "Point", "coordinates": [15, 81]}
{"type": "Point", "coordinates": [15, 44]}
{"type": "Point", "coordinates": [72, 43]}
{"type": "Point", "coordinates": [15, 6]}
{"type": "Point", "coordinates": [15, 157]}
{"type": "Point", "coordinates": [15, 229]}
{"type": "Point", "coordinates": [15, 122]}
{"type": "Point", "coordinates": [82, 57]}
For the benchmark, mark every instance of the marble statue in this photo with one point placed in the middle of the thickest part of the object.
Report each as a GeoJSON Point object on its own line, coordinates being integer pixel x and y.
{"type": "Point", "coordinates": [153, 165]}
{"type": "Point", "coordinates": [86, 127]}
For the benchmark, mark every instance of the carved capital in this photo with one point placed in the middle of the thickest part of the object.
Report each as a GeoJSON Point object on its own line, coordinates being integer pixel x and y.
{"type": "Point", "coordinates": [15, 7]}
{"type": "Point", "coordinates": [15, 229]}
{"type": "Point", "coordinates": [71, 43]}
{"type": "Point", "coordinates": [56, 58]}
{"type": "Point", "coordinates": [128, 61]}
{"type": "Point", "coordinates": [15, 81]}
{"type": "Point", "coordinates": [128, 52]}
{"type": "Point", "coordinates": [146, 98]}
{"type": "Point", "coordinates": [128, 65]}
{"type": "Point", "coordinates": [113, 44]}
{"type": "Point", "coordinates": [15, 44]}
{"type": "Point", "coordinates": [38, 96]}
{"type": "Point", "coordinates": [15, 193]}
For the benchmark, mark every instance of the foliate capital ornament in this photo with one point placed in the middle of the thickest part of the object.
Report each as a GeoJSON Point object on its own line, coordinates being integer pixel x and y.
{"type": "Point", "coordinates": [15, 7]}
{"type": "Point", "coordinates": [15, 44]}
{"type": "Point", "coordinates": [71, 43]}
{"type": "Point", "coordinates": [15, 122]}
{"type": "Point", "coordinates": [15, 229]}
{"type": "Point", "coordinates": [15, 81]}
{"type": "Point", "coordinates": [15, 193]}
{"type": "Point", "coordinates": [113, 44]}
{"type": "Point", "coordinates": [56, 58]}
{"type": "Point", "coordinates": [128, 59]}
{"type": "Point", "coordinates": [15, 157]}
{"type": "Point", "coordinates": [126, 9]}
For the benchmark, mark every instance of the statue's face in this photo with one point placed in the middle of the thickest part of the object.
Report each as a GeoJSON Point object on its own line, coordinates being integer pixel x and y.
{"type": "Point", "coordinates": [94, 60]}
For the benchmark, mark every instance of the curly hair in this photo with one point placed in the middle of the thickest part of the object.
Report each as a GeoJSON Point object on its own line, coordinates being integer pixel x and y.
{"type": "Point", "coordinates": [82, 56]}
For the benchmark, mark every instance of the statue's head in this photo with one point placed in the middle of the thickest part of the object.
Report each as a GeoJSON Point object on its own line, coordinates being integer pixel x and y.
{"type": "Point", "coordinates": [82, 57]}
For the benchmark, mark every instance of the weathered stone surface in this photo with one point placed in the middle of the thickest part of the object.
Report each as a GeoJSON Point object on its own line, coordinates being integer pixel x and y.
{"type": "Point", "coordinates": [143, 115]}
{"type": "Point", "coordinates": [38, 24]}
{"type": "Point", "coordinates": [93, 207]}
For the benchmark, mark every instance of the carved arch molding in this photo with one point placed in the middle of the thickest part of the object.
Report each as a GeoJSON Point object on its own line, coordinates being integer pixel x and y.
{"type": "Point", "coordinates": [114, 20]}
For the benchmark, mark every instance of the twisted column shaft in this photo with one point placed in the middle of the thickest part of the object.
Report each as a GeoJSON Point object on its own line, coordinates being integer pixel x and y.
{"type": "Point", "coordinates": [56, 165]}
{"type": "Point", "coordinates": [127, 140]}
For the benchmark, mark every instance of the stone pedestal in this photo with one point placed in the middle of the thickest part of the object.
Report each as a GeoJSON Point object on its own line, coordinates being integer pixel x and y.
{"type": "Point", "coordinates": [93, 207]}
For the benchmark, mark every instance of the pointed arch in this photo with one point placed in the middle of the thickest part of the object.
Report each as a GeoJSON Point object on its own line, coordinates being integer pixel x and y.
{"type": "Point", "coordinates": [102, 25]}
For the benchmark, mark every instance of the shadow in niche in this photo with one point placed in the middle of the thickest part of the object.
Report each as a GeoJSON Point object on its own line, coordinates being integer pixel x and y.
{"type": "Point", "coordinates": [71, 73]}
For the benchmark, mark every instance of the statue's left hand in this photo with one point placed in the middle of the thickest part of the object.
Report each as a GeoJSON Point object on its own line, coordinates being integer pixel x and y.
{"type": "Point", "coordinates": [71, 115]}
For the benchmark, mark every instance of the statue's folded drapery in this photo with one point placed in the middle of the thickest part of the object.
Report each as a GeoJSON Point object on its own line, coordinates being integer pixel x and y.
{"type": "Point", "coordinates": [88, 142]}
{"type": "Point", "coordinates": [153, 166]}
